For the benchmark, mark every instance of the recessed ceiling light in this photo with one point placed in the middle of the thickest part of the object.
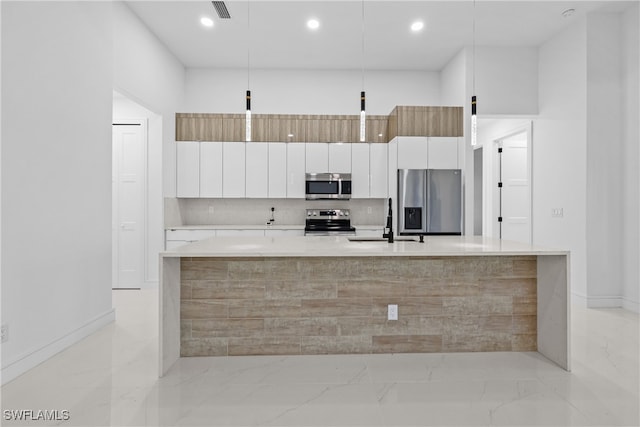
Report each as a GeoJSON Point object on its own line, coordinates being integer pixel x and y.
{"type": "Point", "coordinates": [417, 26]}
{"type": "Point", "coordinates": [206, 21]}
{"type": "Point", "coordinates": [313, 24]}
{"type": "Point", "coordinates": [568, 13]}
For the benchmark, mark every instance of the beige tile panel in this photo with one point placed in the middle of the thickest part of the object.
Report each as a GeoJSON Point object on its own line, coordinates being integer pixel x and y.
{"type": "Point", "coordinates": [407, 325]}
{"type": "Point", "coordinates": [467, 342]}
{"type": "Point", "coordinates": [524, 342]}
{"type": "Point", "coordinates": [336, 345]}
{"type": "Point", "coordinates": [520, 287]}
{"type": "Point", "coordinates": [315, 326]}
{"type": "Point", "coordinates": [301, 289]}
{"type": "Point", "coordinates": [203, 309]}
{"type": "Point", "coordinates": [185, 290]}
{"type": "Point", "coordinates": [227, 328]}
{"type": "Point", "coordinates": [348, 326]}
{"type": "Point", "coordinates": [225, 289]}
{"type": "Point", "coordinates": [264, 346]}
{"type": "Point", "coordinates": [407, 344]}
{"type": "Point", "coordinates": [185, 329]}
{"type": "Point", "coordinates": [265, 308]}
{"type": "Point", "coordinates": [205, 269]}
{"type": "Point", "coordinates": [336, 307]}
{"type": "Point", "coordinates": [525, 324]}
{"type": "Point", "coordinates": [477, 305]}
{"type": "Point", "coordinates": [477, 325]}
{"type": "Point", "coordinates": [203, 347]}
{"type": "Point", "coordinates": [525, 305]}
{"type": "Point", "coordinates": [525, 267]}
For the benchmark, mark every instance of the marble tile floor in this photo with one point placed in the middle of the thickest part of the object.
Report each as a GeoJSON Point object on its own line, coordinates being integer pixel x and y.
{"type": "Point", "coordinates": [110, 379]}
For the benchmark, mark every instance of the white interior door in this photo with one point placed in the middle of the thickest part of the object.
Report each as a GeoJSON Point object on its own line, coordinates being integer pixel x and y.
{"type": "Point", "coordinates": [515, 198]}
{"type": "Point", "coordinates": [129, 171]}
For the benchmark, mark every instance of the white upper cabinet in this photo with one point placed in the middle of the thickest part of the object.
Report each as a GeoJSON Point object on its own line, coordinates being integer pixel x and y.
{"type": "Point", "coordinates": [277, 170]}
{"type": "Point", "coordinates": [317, 157]}
{"type": "Point", "coordinates": [211, 169]}
{"type": "Point", "coordinates": [412, 152]}
{"type": "Point", "coordinates": [340, 157]}
{"type": "Point", "coordinates": [360, 171]}
{"type": "Point", "coordinates": [233, 169]}
{"type": "Point", "coordinates": [392, 177]}
{"type": "Point", "coordinates": [443, 153]}
{"type": "Point", "coordinates": [187, 169]}
{"type": "Point", "coordinates": [295, 170]}
{"type": "Point", "coordinates": [257, 164]}
{"type": "Point", "coordinates": [378, 170]}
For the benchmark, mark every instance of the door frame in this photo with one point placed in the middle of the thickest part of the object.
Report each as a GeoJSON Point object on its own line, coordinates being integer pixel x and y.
{"type": "Point", "coordinates": [143, 123]}
{"type": "Point", "coordinates": [492, 207]}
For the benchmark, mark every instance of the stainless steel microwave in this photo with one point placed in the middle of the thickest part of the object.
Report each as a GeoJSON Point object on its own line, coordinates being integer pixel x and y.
{"type": "Point", "coordinates": [328, 186]}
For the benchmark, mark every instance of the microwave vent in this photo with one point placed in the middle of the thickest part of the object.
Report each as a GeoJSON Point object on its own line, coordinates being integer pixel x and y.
{"type": "Point", "coordinates": [222, 10]}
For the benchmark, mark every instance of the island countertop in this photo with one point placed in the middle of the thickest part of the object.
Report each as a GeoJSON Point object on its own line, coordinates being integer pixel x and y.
{"type": "Point", "coordinates": [328, 246]}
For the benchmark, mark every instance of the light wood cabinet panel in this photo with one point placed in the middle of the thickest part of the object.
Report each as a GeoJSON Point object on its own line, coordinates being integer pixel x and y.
{"type": "Point", "coordinates": [318, 129]}
{"type": "Point", "coordinates": [286, 129]}
{"type": "Point", "coordinates": [341, 129]}
{"type": "Point", "coordinates": [260, 128]}
{"type": "Point", "coordinates": [377, 129]}
{"type": "Point", "coordinates": [233, 127]}
{"type": "Point", "coordinates": [187, 169]}
{"type": "Point", "coordinates": [198, 127]}
{"type": "Point", "coordinates": [425, 121]}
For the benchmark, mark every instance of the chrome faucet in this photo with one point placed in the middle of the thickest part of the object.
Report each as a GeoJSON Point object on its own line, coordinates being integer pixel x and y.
{"type": "Point", "coordinates": [389, 234]}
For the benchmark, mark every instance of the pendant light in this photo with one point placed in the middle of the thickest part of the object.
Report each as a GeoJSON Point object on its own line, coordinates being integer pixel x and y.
{"type": "Point", "coordinates": [363, 119]}
{"type": "Point", "coordinates": [247, 120]}
{"type": "Point", "coordinates": [474, 117]}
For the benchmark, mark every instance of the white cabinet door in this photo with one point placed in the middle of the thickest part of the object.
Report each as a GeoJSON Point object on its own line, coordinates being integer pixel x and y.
{"type": "Point", "coordinates": [187, 169]}
{"type": "Point", "coordinates": [443, 153]}
{"type": "Point", "coordinates": [211, 169]}
{"type": "Point", "coordinates": [233, 169]}
{"type": "Point", "coordinates": [379, 168]}
{"type": "Point", "coordinates": [257, 164]}
{"type": "Point", "coordinates": [393, 169]}
{"type": "Point", "coordinates": [277, 170]}
{"type": "Point", "coordinates": [340, 157]}
{"type": "Point", "coordinates": [295, 170]}
{"type": "Point", "coordinates": [360, 171]}
{"type": "Point", "coordinates": [412, 152]}
{"type": "Point", "coordinates": [317, 157]}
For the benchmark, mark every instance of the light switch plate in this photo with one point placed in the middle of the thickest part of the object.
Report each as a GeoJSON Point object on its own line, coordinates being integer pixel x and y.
{"type": "Point", "coordinates": [392, 312]}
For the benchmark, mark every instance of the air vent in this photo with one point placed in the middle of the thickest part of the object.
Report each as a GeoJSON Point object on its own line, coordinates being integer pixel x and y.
{"type": "Point", "coordinates": [221, 8]}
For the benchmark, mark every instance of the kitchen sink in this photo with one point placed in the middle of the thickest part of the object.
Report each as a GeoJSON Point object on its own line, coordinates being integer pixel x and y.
{"type": "Point", "coordinates": [379, 239]}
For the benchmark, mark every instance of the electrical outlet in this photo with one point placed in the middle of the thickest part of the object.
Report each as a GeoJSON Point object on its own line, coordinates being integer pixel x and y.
{"type": "Point", "coordinates": [210, 209]}
{"type": "Point", "coordinates": [392, 312]}
{"type": "Point", "coordinates": [4, 331]}
{"type": "Point", "coordinates": [557, 212]}
{"type": "Point", "coordinates": [369, 210]}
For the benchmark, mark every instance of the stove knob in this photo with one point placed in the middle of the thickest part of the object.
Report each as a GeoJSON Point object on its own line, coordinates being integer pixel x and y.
{"type": "Point", "coordinates": [346, 213]}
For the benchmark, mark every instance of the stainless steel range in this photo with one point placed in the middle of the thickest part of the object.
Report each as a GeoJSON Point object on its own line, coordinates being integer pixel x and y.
{"type": "Point", "coordinates": [329, 222]}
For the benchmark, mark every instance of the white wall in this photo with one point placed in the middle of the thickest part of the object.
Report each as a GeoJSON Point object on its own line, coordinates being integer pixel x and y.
{"type": "Point", "coordinates": [56, 177]}
{"type": "Point", "coordinates": [307, 91]}
{"type": "Point", "coordinates": [604, 208]}
{"type": "Point", "coordinates": [559, 150]}
{"type": "Point", "coordinates": [506, 80]}
{"type": "Point", "coordinates": [631, 156]}
{"type": "Point", "coordinates": [146, 72]}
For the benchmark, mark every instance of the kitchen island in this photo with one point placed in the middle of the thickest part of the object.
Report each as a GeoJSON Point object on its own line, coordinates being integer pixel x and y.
{"type": "Point", "coordinates": [322, 295]}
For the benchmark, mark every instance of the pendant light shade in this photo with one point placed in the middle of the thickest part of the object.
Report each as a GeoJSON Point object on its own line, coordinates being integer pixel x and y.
{"type": "Point", "coordinates": [248, 118]}
{"type": "Point", "coordinates": [363, 120]}
{"type": "Point", "coordinates": [474, 122]}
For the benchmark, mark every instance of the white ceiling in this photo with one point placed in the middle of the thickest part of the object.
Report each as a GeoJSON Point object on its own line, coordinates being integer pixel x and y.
{"type": "Point", "coordinates": [276, 35]}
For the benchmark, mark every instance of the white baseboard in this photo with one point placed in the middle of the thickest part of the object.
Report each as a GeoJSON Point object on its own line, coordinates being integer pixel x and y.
{"type": "Point", "coordinates": [150, 284]}
{"type": "Point", "coordinates": [634, 306]}
{"type": "Point", "coordinates": [28, 361]}
{"type": "Point", "coordinates": [579, 299]}
{"type": "Point", "coordinates": [604, 302]}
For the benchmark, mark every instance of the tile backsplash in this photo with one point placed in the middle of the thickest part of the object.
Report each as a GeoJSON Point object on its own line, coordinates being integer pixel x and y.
{"type": "Point", "coordinates": [258, 211]}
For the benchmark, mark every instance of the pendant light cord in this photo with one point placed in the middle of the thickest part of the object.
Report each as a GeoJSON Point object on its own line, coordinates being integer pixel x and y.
{"type": "Point", "coordinates": [362, 64]}
{"type": "Point", "coordinates": [473, 49]}
{"type": "Point", "coordinates": [248, 44]}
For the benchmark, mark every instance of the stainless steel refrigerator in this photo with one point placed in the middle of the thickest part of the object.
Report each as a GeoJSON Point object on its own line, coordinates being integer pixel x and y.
{"type": "Point", "coordinates": [429, 201]}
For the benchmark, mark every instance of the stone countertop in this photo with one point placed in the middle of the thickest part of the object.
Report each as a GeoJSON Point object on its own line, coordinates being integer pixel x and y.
{"type": "Point", "coordinates": [331, 246]}
{"type": "Point", "coordinates": [255, 227]}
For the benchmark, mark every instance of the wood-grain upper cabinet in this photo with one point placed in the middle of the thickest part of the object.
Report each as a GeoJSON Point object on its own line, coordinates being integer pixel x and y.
{"type": "Point", "coordinates": [317, 157]}
{"type": "Point", "coordinates": [233, 170]}
{"type": "Point", "coordinates": [277, 170]}
{"type": "Point", "coordinates": [378, 171]}
{"type": "Point", "coordinates": [360, 171]}
{"type": "Point", "coordinates": [211, 169]}
{"type": "Point", "coordinates": [443, 153]}
{"type": "Point", "coordinates": [187, 169]}
{"type": "Point", "coordinates": [340, 158]}
{"type": "Point", "coordinates": [257, 169]}
{"type": "Point", "coordinates": [412, 152]}
{"type": "Point", "coordinates": [295, 170]}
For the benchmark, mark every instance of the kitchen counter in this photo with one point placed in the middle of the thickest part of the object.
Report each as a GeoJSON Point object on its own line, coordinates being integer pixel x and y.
{"type": "Point", "coordinates": [235, 227]}
{"type": "Point", "coordinates": [227, 296]}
